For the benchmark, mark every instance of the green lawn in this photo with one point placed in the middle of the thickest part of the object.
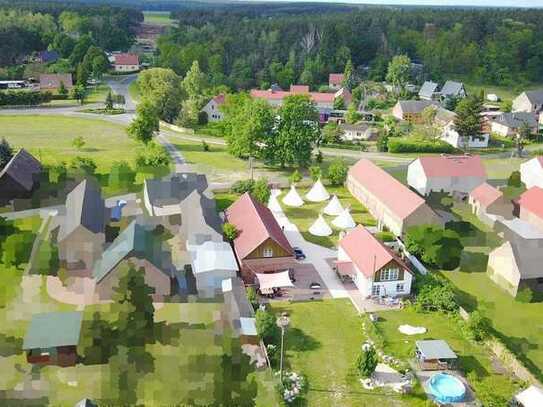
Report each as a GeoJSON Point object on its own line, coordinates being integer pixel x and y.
{"type": "Point", "coordinates": [49, 138]}
{"type": "Point", "coordinates": [323, 342]}
{"type": "Point", "coordinates": [304, 216]}
{"type": "Point", "coordinates": [472, 357]}
{"type": "Point", "coordinates": [501, 168]}
{"type": "Point", "coordinates": [158, 18]}
{"type": "Point", "coordinates": [504, 92]}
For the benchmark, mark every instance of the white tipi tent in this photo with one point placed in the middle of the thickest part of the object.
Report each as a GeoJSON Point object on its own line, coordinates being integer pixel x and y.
{"type": "Point", "coordinates": [334, 207]}
{"type": "Point", "coordinates": [320, 227]}
{"type": "Point", "coordinates": [317, 193]}
{"type": "Point", "coordinates": [344, 220]}
{"type": "Point", "coordinates": [273, 203]}
{"type": "Point", "coordinates": [293, 198]}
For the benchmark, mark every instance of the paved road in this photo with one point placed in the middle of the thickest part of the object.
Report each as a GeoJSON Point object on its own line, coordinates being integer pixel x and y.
{"type": "Point", "coordinates": [120, 85]}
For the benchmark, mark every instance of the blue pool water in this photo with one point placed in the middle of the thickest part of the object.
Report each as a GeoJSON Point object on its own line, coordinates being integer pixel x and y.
{"type": "Point", "coordinates": [446, 388]}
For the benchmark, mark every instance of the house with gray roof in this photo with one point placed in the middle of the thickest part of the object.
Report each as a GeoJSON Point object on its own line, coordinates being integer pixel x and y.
{"type": "Point", "coordinates": [137, 247]}
{"type": "Point", "coordinates": [453, 89]}
{"type": "Point", "coordinates": [81, 235]}
{"type": "Point", "coordinates": [530, 101]}
{"type": "Point", "coordinates": [428, 91]}
{"type": "Point", "coordinates": [20, 177]}
{"type": "Point", "coordinates": [52, 338]}
{"type": "Point", "coordinates": [358, 132]}
{"type": "Point", "coordinates": [411, 110]}
{"type": "Point", "coordinates": [510, 124]}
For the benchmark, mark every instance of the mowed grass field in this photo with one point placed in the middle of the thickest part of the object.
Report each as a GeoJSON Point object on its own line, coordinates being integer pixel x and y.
{"type": "Point", "coordinates": [49, 138]}
{"type": "Point", "coordinates": [157, 18]}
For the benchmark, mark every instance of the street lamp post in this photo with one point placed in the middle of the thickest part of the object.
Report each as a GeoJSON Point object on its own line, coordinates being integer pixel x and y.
{"type": "Point", "coordinates": [282, 322]}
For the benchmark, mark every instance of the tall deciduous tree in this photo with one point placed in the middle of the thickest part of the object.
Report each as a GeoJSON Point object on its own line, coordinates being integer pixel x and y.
{"type": "Point", "coordinates": [247, 122]}
{"type": "Point", "coordinates": [133, 307]}
{"type": "Point", "coordinates": [163, 88]}
{"type": "Point", "coordinates": [468, 118]}
{"type": "Point", "coordinates": [398, 72]}
{"type": "Point", "coordinates": [348, 75]}
{"type": "Point", "coordinates": [145, 123]}
{"type": "Point", "coordinates": [297, 132]}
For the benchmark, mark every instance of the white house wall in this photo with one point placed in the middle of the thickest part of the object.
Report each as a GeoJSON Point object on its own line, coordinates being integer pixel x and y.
{"type": "Point", "coordinates": [416, 178]}
{"type": "Point", "coordinates": [531, 174]}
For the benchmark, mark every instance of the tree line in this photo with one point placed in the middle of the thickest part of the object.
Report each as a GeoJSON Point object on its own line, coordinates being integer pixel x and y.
{"type": "Point", "coordinates": [243, 48]}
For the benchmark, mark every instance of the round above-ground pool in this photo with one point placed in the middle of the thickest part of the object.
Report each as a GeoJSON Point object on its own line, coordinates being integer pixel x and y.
{"type": "Point", "coordinates": [446, 388]}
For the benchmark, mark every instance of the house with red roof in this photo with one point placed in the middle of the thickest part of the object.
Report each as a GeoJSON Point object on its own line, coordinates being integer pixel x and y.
{"type": "Point", "coordinates": [374, 268]}
{"type": "Point", "coordinates": [529, 207]}
{"type": "Point", "coordinates": [324, 102]}
{"type": "Point", "coordinates": [212, 108]}
{"type": "Point", "coordinates": [335, 80]}
{"type": "Point", "coordinates": [260, 246]}
{"type": "Point", "coordinates": [531, 172]}
{"type": "Point", "coordinates": [394, 205]}
{"type": "Point", "coordinates": [487, 200]}
{"type": "Point", "coordinates": [446, 173]}
{"type": "Point", "coordinates": [126, 62]}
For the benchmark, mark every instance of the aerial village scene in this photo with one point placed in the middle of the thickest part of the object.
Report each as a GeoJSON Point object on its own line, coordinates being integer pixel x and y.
{"type": "Point", "coordinates": [270, 204]}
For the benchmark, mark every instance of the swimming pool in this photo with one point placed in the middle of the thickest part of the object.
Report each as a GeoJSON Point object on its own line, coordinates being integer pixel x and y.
{"type": "Point", "coordinates": [446, 388]}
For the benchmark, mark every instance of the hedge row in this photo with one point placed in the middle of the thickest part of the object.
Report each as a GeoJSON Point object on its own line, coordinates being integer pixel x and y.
{"type": "Point", "coordinates": [404, 145]}
{"type": "Point", "coordinates": [24, 98]}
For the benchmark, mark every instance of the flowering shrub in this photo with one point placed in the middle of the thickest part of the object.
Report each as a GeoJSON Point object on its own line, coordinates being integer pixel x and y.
{"type": "Point", "coordinates": [294, 386]}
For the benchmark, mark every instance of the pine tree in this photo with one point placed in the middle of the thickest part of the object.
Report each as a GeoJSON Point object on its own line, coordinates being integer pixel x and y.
{"type": "Point", "coordinates": [6, 152]}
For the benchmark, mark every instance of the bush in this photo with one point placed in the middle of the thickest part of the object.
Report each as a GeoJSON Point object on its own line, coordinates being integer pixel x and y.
{"type": "Point", "coordinates": [229, 231]}
{"type": "Point", "coordinates": [385, 236]}
{"type": "Point", "coordinates": [16, 248]}
{"type": "Point", "coordinates": [514, 179]}
{"type": "Point", "coordinates": [436, 247]}
{"type": "Point", "coordinates": [367, 360]}
{"type": "Point", "coordinates": [202, 118]}
{"type": "Point", "coordinates": [315, 172]}
{"type": "Point", "coordinates": [153, 155]}
{"type": "Point", "coordinates": [434, 294]}
{"type": "Point", "coordinates": [252, 297]}
{"type": "Point", "coordinates": [87, 165]}
{"type": "Point", "coordinates": [265, 324]}
{"type": "Point", "coordinates": [242, 186]}
{"type": "Point", "coordinates": [205, 146]}
{"type": "Point", "coordinates": [478, 327]}
{"type": "Point", "coordinates": [407, 145]}
{"type": "Point", "coordinates": [525, 295]}
{"type": "Point", "coordinates": [24, 98]}
{"type": "Point", "coordinates": [121, 175]}
{"type": "Point", "coordinates": [261, 191]}
{"type": "Point", "coordinates": [57, 173]}
{"type": "Point", "coordinates": [337, 172]}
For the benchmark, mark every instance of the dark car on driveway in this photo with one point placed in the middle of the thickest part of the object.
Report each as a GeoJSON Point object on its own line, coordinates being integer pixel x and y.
{"type": "Point", "coordinates": [298, 253]}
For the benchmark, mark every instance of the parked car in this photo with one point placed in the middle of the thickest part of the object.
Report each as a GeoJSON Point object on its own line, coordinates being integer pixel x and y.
{"type": "Point", "coordinates": [298, 253]}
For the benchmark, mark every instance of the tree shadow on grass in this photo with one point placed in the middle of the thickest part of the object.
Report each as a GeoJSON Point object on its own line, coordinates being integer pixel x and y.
{"type": "Point", "coordinates": [470, 364]}
{"type": "Point", "coordinates": [520, 347]}
{"type": "Point", "coordinates": [298, 341]}
{"type": "Point", "coordinates": [473, 262]}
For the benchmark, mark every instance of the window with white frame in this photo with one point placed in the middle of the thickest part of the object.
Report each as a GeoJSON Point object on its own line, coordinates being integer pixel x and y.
{"type": "Point", "coordinates": [390, 274]}
{"type": "Point", "coordinates": [400, 288]}
{"type": "Point", "coordinates": [375, 290]}
{"type": "Point", "coordinates": [267, 252]}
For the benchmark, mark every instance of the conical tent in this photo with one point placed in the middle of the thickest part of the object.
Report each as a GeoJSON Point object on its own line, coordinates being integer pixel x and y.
{"type": "Point", "coordinates": [320, 227]}
{"type": "Point", "coordinates": [293, 198]}
{"type": "Point", "coordinates": [344, 220]}
{"type": "Point", "coordinates": [273, 204]}
{"type": "Point", "coordinates": [334, 207]}
{"type": "Point", "coordinates": [317, 193]}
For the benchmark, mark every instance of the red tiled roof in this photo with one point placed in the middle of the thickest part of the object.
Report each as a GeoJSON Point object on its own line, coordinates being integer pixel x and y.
{"type": "Point", "coordinates": [453, 166]}
{"type": "Point", "coordinates": [367, 253]}
{"type": "Point", "coordinates": [52, 81]}
{"type": "Point", "coordinates": [388, 190]}
{"type": "Point", "coordinates": [255, 224]}
{"type": "Point", "coordinates": [317, 97]}
{"type": "Point", "coordinates": [486, 194]}
{"type": "Point", "coordinates": [335, 78]}
{"type": "Point", "coordinates": [532, 201]}
{"type": "Point", "coordinates": [126, 59]}
{"type": "Point", "coordinates": [299, 89]}
{"type": "Point", "coordinates": [219, 99]}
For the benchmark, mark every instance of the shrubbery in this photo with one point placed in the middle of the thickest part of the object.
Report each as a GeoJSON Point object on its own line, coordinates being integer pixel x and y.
{"type": "Point", "coordinates": [411, 145]}
{"type": "Point", "coordinates": [514, 179]}
{"type": "Point", "coordinates": [265, 324]}
{"type": "Point", "coordinates": [337, 172]}
{"type": "Point", "coordinates": [153, 155]}
{"type": "Point", "coordinates": [436, 247]}
{"type": "Point", "coordinates": [434, 294]}
{"type": "Point", "coordinates": [259, 190]}
{"type": "Point", "coordinates": [24, 98]}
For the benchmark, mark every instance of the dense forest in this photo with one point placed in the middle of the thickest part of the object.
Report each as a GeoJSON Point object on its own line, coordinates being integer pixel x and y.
{"type": "Point", "coordinates": [259, 44]}
{"type": "Point", "coordinates": [26, 27]}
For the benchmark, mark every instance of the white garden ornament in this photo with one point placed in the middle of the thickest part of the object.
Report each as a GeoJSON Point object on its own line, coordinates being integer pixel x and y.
{"type": "Point", "coordinates": [317, 193]}
{"type": "Point", "coordinates": [320, 227]}
{"type": "Point", "coordinates": [334, 207]}
{"type": "Point", "coordinates": [344, 220]}
{"type": "Point", "coordinates": [293, 198]}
